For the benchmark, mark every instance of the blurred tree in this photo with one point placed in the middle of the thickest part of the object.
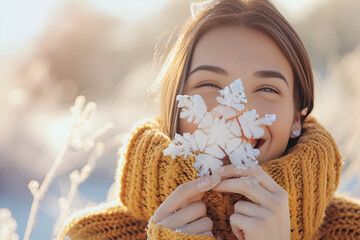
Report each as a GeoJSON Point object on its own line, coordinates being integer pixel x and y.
{"type": "Point", "coordinates": [331, 32]}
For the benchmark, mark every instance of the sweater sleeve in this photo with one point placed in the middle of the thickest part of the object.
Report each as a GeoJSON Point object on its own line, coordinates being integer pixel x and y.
{"type": "Point", "coordinates": [162, 233]}
{"type": "Point", "coordinates": [106, 221]}
{"type": "Point", "coordinates": [341, 221]}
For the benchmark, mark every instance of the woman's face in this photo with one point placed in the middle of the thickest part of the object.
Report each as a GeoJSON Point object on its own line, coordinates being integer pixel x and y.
{"type": "Point", "coordinates": [225, 54]}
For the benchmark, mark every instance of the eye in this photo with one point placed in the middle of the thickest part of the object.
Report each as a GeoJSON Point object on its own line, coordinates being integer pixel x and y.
{"type": "Point", "coordinates": [269, 90]}
{"type": "Point", "coordinates": [212, 85]}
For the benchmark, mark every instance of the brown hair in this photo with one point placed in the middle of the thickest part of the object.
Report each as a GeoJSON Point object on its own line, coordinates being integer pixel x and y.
{"type": "Point", "coordinates": [258, 14]}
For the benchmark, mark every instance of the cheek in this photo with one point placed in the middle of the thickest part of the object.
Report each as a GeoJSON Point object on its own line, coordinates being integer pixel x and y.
{"type": "Point", "coordinates": [283, 122]}
{"type": "Point", "coordinates": [281, 130]}
{"type": "Point", "coordinates": [186, 127]}
{"type": "Point", "coordinates": [210, 101]}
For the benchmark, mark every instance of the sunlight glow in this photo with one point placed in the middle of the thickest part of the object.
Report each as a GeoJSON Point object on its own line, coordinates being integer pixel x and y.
{"type": "Point", "coordinates": [297, 10]}
{"type": "Point", "coordinates": [130, 10]}
{"type": "Point", "coordinates": [57, 131]}
{"type": "Point", "coordinates": [22, 20]}
{"type": "Point", "coordinates": [294, 5]}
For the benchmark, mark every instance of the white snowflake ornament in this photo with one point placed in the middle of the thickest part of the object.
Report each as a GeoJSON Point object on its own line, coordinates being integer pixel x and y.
{"type": "Point", "coordinates": [227, 130]}
{"type": "Point", "coordinates": [182, 146]}
{"type": "Point", "coordinates": [193, 108]}
{"type": "Point", "coordinates": [251, 123]}
{"type": "Point", "coordinates": [205, 162]}
{"type": "Point", "coordinates": [233, 95]}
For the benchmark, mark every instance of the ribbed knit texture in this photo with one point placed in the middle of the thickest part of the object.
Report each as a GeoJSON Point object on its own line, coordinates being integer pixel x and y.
{"type": "Point", "coordinates": [105, 222]}
{"type": "Point", "coordinates": [309, 173]}
{"type": "Point", "coordinates": [341, 221]}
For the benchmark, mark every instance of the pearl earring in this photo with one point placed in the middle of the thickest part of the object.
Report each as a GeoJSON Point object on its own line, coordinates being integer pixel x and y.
{"type": "Point", "coordinates": [296, 133]}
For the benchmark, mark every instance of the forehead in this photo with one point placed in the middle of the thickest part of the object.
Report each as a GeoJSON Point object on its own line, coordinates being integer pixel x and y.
{"type": "Point", "coordinates": [238, 48]}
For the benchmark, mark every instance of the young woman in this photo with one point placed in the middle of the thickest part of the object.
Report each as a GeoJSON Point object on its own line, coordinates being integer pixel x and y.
{"type": "Point", "coordinates": [299, 161]}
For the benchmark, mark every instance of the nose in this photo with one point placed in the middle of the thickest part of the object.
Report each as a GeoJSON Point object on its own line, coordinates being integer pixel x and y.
{"type": "Point", "coordinates": [249, 102]}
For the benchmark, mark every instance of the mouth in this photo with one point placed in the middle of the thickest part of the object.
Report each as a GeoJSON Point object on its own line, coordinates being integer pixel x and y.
{"type": "Point", "coordinates": [258, 143]}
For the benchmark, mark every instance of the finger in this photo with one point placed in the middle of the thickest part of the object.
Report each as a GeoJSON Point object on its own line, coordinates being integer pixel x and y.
{"type": "Point", "coordinates": [249, 188]}
{"type": "Point", "coordinates": [241, 225]}
{"type": "Point", "coordinates": [194, 199]}
{"type": "Point", "coordinates": [183, 193]}
{"type": "Point", "coordinates": [201, 225]}
{"type": "Point", "coordinates": [190, 213]}
{"type": "Point", "coordinates": [250, 209]}
{"type": "Point", "coordinates": [232, 171]}
{"type": "Point", "coordinates": [207, 234]}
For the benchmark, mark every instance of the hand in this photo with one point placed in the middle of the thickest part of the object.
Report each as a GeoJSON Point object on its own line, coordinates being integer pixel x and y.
{"type": "Point", "coordinates": [184, 211]}
{"type": "Point", "coordinates": [267, 216]}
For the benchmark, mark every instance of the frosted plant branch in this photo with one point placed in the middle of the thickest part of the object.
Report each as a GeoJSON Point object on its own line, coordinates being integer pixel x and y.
{"type": "Point", "coordinates": [8, 225]}
{"type": "Point", "coordinates": [88, 143]}
{"type": "Point", "coordinates": [228, 130]}
{"type": "Point", "coordinates": [76, 179]}
{"type": "Point", "coordinates": [38, 193]}
{"type": "Point", "coordinates": [80, 116]}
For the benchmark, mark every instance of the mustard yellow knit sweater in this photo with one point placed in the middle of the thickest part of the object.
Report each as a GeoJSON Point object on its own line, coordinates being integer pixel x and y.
{"type": "Point", "coordinates": [309, 173]}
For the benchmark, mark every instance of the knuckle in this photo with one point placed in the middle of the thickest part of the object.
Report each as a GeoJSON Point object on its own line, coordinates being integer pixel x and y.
{"type": "Point", "coordinates": [257, 170]}
{"type": "Point", "coordinates": [278, 204]}
{"type": "Point", "coordinates": [232, 218]}
{"type": "Point", "coordinates": [238, 205]}
{"type": "Point", "coordinates": [276, 201]}
{"type": "Point", "coordinates": [208, 222]}
{"type": "Point", "coordinates": [244, 182]}
{"type": "Point", "coordinates": [283, 194]}
{"type": "Point", "coordinates": [281, 197]}
{"type": "Point", "coordinates": [201, 206]}
{"type": "Point", "coordinates": [155, 219]}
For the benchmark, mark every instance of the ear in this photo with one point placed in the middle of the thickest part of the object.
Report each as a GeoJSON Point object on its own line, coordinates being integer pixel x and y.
{"type": "Point", "coordinates": [296, 127]}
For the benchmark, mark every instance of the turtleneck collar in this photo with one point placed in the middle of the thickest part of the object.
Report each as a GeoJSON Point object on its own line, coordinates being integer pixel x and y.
{"type": "Point", "coordinates": [310, 174]}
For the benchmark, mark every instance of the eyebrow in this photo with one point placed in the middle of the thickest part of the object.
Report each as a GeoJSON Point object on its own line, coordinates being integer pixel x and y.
{"type": "Point", "coordinates": [259, 74]}
{"type": "Point", "coordinates": [270, 74]}
{"type": "Point", "coordinates": [209, 68]}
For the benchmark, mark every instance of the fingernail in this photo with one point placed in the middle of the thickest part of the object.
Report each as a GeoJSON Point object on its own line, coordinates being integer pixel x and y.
{"type": "Point", "coordinates": [207, 183]}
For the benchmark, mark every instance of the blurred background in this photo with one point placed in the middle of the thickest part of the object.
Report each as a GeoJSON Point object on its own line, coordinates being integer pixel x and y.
{"type": "Point", "coordinates": [54, 50]}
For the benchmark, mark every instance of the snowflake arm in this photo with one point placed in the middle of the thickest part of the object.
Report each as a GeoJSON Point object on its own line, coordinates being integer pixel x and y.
{"type": "Point", "coordinates": [204, 163]}
{"type": "Point", "coordinates": [182, 146]}
{"type": "Point", "coordinates": [251, 124]}
{"type": "Point", "coordinates": [233, 95]}
{"type": "Point", "coordinates": [193, 107]}
{"type": "Point", "coordinates": [245, 155]}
